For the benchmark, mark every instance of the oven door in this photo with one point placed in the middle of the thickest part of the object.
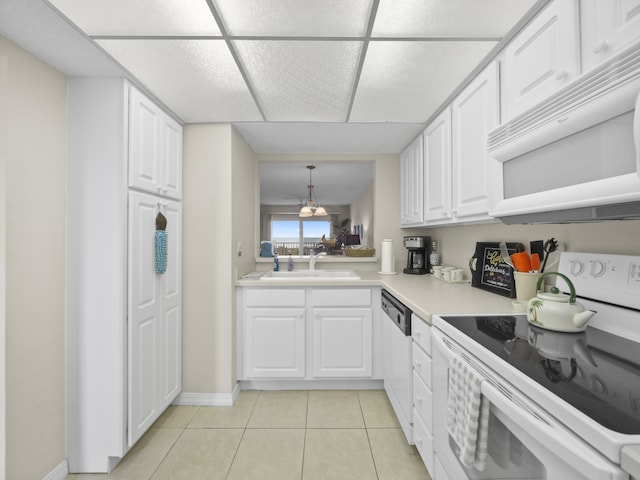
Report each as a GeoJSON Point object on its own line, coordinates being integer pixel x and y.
{"type": "Point", "coordinates": [524, 442]}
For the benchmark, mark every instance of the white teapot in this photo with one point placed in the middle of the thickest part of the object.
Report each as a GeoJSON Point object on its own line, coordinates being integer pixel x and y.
{"type": "Point", "coordinates": [557, 311]}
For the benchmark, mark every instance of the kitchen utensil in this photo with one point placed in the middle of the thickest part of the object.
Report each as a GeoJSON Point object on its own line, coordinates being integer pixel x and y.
{"type": "Point", "coordinates": [557, 311]}
{"type": "Point", "coordinates": [505, 255]}
{"type": "Point", "coordinates": [537, 246]}
{"type": "Point", "coordinates": [521, 261]}
{"type": "Point", "coordinates": [550, 245]}
{"type": "Point", "coordinates": [535, 262]}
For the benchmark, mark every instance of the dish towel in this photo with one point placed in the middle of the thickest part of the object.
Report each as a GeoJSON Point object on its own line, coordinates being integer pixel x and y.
{"type": "Point", "coordinates": [161, 251]}
{"type": "Point", "coordinates": [468, 413]}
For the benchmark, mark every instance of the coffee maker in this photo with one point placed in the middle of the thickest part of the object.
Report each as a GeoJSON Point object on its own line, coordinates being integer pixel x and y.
{"type": "Point", "coordinates": [418, 255]}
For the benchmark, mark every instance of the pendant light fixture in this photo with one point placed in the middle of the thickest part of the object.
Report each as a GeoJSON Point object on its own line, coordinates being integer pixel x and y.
{"type": "Point", "coordinates": [311, 208]}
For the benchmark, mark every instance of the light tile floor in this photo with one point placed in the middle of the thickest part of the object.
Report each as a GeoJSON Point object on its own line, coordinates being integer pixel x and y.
{"type": "Point", "coordinates": [279, 435]}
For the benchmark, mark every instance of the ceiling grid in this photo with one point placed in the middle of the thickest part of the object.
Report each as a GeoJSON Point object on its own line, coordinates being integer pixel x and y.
{"type": "Point", "coordinates": [371, 70]}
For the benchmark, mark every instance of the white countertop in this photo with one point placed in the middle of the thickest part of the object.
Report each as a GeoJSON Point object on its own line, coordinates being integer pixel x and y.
{"type": "Point", "coordinates": [423, 294]}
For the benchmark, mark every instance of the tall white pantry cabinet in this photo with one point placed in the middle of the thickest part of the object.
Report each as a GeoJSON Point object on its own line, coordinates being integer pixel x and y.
{"type": "Point", "coordinates": [124, 320]}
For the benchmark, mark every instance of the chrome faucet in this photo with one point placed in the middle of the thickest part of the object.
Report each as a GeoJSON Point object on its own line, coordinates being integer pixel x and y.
{"type": "Point", "coordinates": [314, 259]}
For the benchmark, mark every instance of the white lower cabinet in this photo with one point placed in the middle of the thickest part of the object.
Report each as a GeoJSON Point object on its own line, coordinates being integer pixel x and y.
{"type": "Point", "coordinates": [342, 342]}
{"type": "Point", "coordinates": [274, 342]}
{"type": "Point", "coordinates": [422, 393]}
{"type": "Point", "coordinates": [306, 333]}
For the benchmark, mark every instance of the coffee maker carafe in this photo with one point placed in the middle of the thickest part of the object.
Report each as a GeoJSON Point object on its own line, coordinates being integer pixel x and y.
{"type": "Point", "coordinates": [418, 255]}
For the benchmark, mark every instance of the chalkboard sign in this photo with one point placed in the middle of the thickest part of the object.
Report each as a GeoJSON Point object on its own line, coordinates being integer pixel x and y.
{"type": "Point", "coordinates": [489, 270]}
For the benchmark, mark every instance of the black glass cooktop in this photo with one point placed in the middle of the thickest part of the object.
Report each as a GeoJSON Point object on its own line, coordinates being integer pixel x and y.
{"type": "Point", "coordinates": [594, 371]}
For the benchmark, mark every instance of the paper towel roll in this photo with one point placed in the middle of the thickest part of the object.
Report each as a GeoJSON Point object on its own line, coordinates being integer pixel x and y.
{"type": "Point", "coordinates": [387, 261]}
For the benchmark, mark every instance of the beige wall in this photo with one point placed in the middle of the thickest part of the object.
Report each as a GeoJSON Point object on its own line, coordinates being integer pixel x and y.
{"type": "Point", "coordinates": [206, 260]}
{"type": "Point", "coordinates": [362, 213]}
{"type": "Point", "coordinates": [3, 257]}
{"type": "Point", "coordinates": [219, 194]}
{"type": "Point", "coordinates": [457, 244]}
{"type": "Point", "coordinates": [35, 265]}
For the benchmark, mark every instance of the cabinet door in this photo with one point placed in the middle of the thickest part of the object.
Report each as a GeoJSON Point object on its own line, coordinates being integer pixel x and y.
{"type": "Point", "coordinates": [607, 27]}
{"type": "Point", "coordinates": [412, 183]}
{"type": "Point", "coordinates": [172, 158]}
{"type": "Point", "coordinates": [474, 114]}
{"type": "Point", "coordinates": [170, 289]}
{"type": "Point", "coordinates": [543, 57]}
{"type": "Point", "coordinates": [437, 154]}
{"type": "Point", "coordinates": [274, 345]}
{"type": "Point", "coordinates": [342, 342]}
{"type": "Point", "coordinates": [144, 335]}
{"type": "Point", "coordinates": [144, 143]}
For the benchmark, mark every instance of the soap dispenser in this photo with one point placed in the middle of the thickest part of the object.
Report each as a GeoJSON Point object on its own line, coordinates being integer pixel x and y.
{"type": "Point", "coordinates": [276, 262]}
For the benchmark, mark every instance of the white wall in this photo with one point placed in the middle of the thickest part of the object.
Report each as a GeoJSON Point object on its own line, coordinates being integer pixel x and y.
{"type": "Point", "coordinates": [35, 265]}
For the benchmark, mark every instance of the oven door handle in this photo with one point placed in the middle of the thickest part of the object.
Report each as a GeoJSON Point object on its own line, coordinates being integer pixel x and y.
{"type": "Point", "coordinates": [554, 437]}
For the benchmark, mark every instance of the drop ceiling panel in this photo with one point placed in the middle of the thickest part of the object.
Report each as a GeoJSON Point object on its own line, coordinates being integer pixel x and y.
{"type": "Point", "coordinates": [448, 18]}
{"type": "Point", "coordinates": [197, 79]}
{"type": "Point", "coordinates": [408, 81]}
{"type": "Point", "coordinates": [140, 17]}
{"type": "Point", "coordinates": [266, 137]}
{"type": "Point", "coordinates": [328, 18]}
{"type": "Point", "coordinates": [301, 80]}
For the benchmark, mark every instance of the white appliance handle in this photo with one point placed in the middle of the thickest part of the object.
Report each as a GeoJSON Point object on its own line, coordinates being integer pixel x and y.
{"type": "Point", "coordinates": [555, 437]}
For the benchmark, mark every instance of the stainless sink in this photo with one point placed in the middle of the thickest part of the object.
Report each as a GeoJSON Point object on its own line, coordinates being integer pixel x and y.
{"type": "Point", "coordinates": [311, 275]}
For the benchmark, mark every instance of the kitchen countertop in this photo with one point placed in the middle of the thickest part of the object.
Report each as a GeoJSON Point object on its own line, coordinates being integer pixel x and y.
{"type": "Point", "coordinates": [423, 294]}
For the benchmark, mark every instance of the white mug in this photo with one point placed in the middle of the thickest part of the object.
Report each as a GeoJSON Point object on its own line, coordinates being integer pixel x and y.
{"type": "Point", "coordinates": [446, 274]}
{"type": "Point", "coordinates": [457, 275]}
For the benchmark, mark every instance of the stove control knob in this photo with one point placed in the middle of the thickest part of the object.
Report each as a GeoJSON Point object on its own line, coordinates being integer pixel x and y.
{"type": "Point", "coordinates": [576, 267]}
{"type": "Point", "coordinates": [597, 268]}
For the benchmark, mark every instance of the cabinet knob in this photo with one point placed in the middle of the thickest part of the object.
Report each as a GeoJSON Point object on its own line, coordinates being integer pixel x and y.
{"type": "Point", "coordinates": [419, 398]}
{"type": "Point", "coordinates": [417, 365]}
{"type": "Point", "coordinates": [561, 74]}
{"type": "Point", "coordinates": [601, 47]}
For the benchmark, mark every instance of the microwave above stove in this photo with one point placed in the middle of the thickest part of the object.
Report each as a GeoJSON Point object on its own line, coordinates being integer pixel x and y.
{"type": "Point", "coordinates": [576, 156]}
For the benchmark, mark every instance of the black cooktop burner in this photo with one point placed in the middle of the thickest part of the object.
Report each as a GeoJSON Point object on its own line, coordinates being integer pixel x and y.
{"type": "Point", "coordinates": [594, 371]}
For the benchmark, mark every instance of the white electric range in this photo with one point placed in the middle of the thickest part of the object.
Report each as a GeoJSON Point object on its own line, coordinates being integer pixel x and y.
{"type": "Point", "coordinates": [563, 405]}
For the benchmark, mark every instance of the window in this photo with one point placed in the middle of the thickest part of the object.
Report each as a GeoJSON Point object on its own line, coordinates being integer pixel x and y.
{"type": "Point", "coordinates": [288, 232]}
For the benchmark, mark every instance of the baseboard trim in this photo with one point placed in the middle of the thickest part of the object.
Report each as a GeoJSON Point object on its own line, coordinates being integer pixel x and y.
{"type": "Point", "coordinates": [208, 399]}
{"type": "Point", "coordinates": [58, 473]}
{"type": "Point", "coordinates": [351, 384]}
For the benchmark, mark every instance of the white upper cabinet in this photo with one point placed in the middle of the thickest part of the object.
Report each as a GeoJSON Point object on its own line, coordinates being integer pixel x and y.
{"type": "Point", "coordinates": [607, 27]}
{"type": "Point", "coordinates": [542, 58]}
{"type": "Point", "coordinates": [155, 148]}
{"type": "Point", "coordinates": [412, 184]}
{"type": "Point", "coordinates": [476, 176]}
{"type": "Point", "coordinates": [437, 157]}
